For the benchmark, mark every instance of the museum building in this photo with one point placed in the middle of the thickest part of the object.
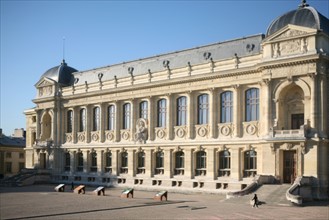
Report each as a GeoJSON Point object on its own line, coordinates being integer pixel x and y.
{"type": "Point", "coordinates": [210, 118]}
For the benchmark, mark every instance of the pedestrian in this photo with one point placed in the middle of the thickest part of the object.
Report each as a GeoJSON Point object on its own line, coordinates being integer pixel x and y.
{"type": "Point", "coordinates": [255, 201]}
{"type": "Point", "coordinates": [72, 186]}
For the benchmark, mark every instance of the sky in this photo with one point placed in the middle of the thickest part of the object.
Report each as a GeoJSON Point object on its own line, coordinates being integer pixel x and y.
{"type": "Point", "coordinates": [37, 35]}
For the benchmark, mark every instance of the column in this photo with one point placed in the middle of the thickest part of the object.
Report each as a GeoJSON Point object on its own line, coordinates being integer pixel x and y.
{"type": "Point", "coordinates": [148, 162]}
{"type": "Point", "coordinates": [88, 122]}
{"type": "Point", "coordinates": [236, 110]}
{"type": "Point", "coordinates": [103, 120]}
{"type": "Point", "coordinates": [38, 123]}
{"type": "Point", "coordinates": [133, 111]}
{"type": "Point", "coordinates": [115, 154]}
{"type": "Point", "coordinates": [211, 163]}
{"type": "Point", "coordinates": [131, 162]}
{"type": "Point", "coordinates": [151, 119]}
{"type": "Point", "coordinates": [75, 125]}
{"type": "Point", "coordinates": [169, 117]}
{"type": "Point", "coordinates": [118, 123]}
{"type": "Point", "coordinates": [168, 163]}
{"type": "Point", "coordinates": [265, 107]}
{"type": "Point", "coordinates": [190, 115]}
{"type": "Point", "coordinates": [212, 114]}
{"type": "Point", "coordinates": [72, 162]}
{"type": "Point", "coordinates": [188, 153]}
{"type": "Point", "coordinates": [85, 161]}
{"type": "Point", "coordinates": [236, 163]}
{"type": "Point", "coordinates": [313, 101]}
{"type": "Point", "coordinates": [100, 161]}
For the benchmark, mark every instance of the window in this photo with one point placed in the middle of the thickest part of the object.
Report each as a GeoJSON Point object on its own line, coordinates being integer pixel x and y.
{"type": "Point", "coordinates": [224, 163]}
{"type": "Point", "coordinates": [126, 116]}
{"type": "Point", "coordinates": [203, 106]}
{"type": "Point", "coordinates": [141, 162]}
{"type": "Point", "coordinates": [69, 121]}
{"type": "Point", "coordinates": [93, 167]}
{"type": "Point", "coordinates": [110, 117]}
{"type": "Point", "coordinates": [67, 162]}
{"type": "Point", "coordinates": [162, 108]}
{"type": "Point", "coordinates": [21, 155]}
{"type": "Point", "coordinates": [108, 162]}
{"type": "Point", "coordinates": [21, 166]}
{"type": "Point", "coordinates": [96, 119]}
{"type": "Point", "coordinates": [82, 119]}
{"type": "Point", "coordinates": [159, 162]}
{"type": "Point", "coordinates": [181, 111]}
{"type": "Point", "coordinates": [80, 162]}
{"type": "Point", "coordinates": [179, 163]}
{"type": "Point", "coordinates": [252, 104]}
{"type": "Point", "coordinates": [8, 167]}
{"type": "Point", "coordinates": [250, 163]}
{"type": "Point", "coordinates": [8, 155]}
{"type": "Point", "coordinates": [124, 162]}
{"type": "Point", "coordinates": [226, 102]}
{"type": "Point", "coordinates": [201, 163]}
{"type": "Point", "coordinates": [143, 110]}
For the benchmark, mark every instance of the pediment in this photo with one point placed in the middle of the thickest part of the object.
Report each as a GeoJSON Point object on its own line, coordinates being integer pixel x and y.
{"type": "Point", "coordinates": [44, 82]}
{"type": "Point", "coordinates": [290, 32]}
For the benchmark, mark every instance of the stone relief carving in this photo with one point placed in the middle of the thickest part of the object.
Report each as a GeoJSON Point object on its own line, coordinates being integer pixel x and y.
{"type": "Point", "coordinates": [109, 135]}
{"type": "Point", "coordinates": [202, 130]}
{"type": "Point", "coordinates": [81, 137]}
{"type": "Point", "coordinates": [290, 47]}
{"type": "Point", "coordinates": [125, 135]}
{"type": "Point", "coordinates": [68, 137]}
{"type": "Point", "coordinates": [291, 33]}
{"type": "Point", "coordinates": [95, 136]}
{"type": "Point", "coordinates": [161, 133]}
{"type": "Point", "coordinates": [181, 131]}
{"type": "Point", "coordinates": [141, 131]}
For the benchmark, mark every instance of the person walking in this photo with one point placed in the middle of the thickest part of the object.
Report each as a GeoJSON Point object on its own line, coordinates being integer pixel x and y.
{"type": "Point", "coordinates": [255, 201]}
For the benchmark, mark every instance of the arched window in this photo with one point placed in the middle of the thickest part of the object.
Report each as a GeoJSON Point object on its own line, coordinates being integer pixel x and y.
{"type": "Point", "coordinates": [124, 162]}
{"type": "Point", "coordinates": [179, 163]}
{"type": "Point", "coordinates": [126, 116]}
{"type": "Point", "coordinates": [203, 106]}
{"type": "Point", "coordinates": [141, 162]}
{"type": "Point", "coordinates": [80, 162]}
{"type": "Point", "coordinates": [252, 104]}
{"type": "Point", "coordinates": [159, 162]}
{"type": "Point", "coordinates": [82, 119]}
{"type": "Point", "coordinates": [143, 109]}
{"type": "Point", "coordinates": [201, 163]}
{"type": "Point", "coordinates": [162, 109]}
{"type": "Point", "coordinates": [224, 163]}
{"type": "Point", "coordinates": [96, 119]}
{"type": "Point", "coordinates": [110, 117]}
{"type": "Point", "coordinates": [69, 121]}
{"type": "Point", "coordinates": [226, 106]}
{"type": "Point", "coordinates": [250, 163]}
{"type": "Point", "coordinates": [93, 167]}
{"type": "Point", "coordinates": [181, 111]}
{"type": "Point", "coordinates": [108, 162]}
{"type": "Point", "coordinates": [67, 166]}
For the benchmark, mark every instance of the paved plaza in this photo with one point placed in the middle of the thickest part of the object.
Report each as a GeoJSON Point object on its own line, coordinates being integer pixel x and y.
{"type": "Point", "coordinates": [43, 202]}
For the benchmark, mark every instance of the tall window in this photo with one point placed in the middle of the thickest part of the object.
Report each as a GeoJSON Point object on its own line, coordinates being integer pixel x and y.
{"type": "Point", "coordinates": [203, 105]}
{"type": "Point", "coordinates": [80, 162]}
{"type": "Point", "coordinates": [162, 108]}
{"type": "Point", "coordinates": [126, 116]}
{"type": "Point", "coordinates": [69, 121]}
{"type": "Point", "coordinates": [96, 119]}
{"type": "Point", "coordinates": [159, 162]}
{"type": "Point", "coordinates": [110, 117]}
{"type": "Point", "coordinates": [181, 111]}
{"type": "Point", "coordinates": [82, 119]}
{"type": "Point", "coordinates": [226, 106]}
{"type": "Point", "coordinates": [67, 162]}
{"type": "Point", "coordinates": [250, 163]}
{"type": "Point", "coordinates": [201, 163]}
{"type": "Point", "coordinates": [8, 167]}
{"type": "Point", "coordinates": [179, 163]}
{"type": "Point", "coordinates": [141, 162]}
{"type": "Point", "coordinates": [224, 163]}
{"type": "Point", "coordinates": [93, 167]}
{"type": "Point", "coordinates": [124, 162]}
{"type": "Point", "coordinates": [143, 109]}
{"type": "Point", "coordinates": [252, 104]}
{"type": "Point", "coordinates": [108, 162]}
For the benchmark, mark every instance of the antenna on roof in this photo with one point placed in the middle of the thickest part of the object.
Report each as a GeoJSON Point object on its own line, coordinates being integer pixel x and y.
{"type": "Point", "coordinates": [63, 49]}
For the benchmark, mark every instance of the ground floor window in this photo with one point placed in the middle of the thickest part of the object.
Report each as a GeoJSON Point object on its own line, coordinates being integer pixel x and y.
{"type": "Point", "coordinates": [108, 162]}
{"type": "Point", "coordinates": [159, 162]}
{"type": "Point", "coordinates": [80, 162]}
{"type": "Point", "coordinates": [67, 162]}
{"type": "Point", "coordinates": [179, 163]}
{"type": "Point", "coordinates": [124, 162]}
{"type": "Point", "coordinates": [201, 163]}
{"type": "Point", "coordinates": [250, 163]}
{"type": "Point", "coordinates": [224, 163]}
{"type": "Point", "coordinates": [141, 162]}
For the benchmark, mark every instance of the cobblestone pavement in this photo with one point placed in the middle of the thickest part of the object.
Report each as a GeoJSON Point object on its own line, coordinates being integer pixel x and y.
{"type": "Point", "coordinates": [42, 202]}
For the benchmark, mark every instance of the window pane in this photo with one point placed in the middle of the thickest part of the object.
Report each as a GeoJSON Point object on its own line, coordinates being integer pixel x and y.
{"type": "Point", "coordinates": [126, 116]}
{"type": "Point", "coordinates": [111, 117]}
{"type": "Point", "coordinates": [181, 111]}
{"type": "Point", "coordinates": [226, 107]}
{"type": "Point", "coordinates": [143, 110]}
{"type": "Point", "coordinates": [162, 108]}
{"type": "Point", "coordinates": [83, 119]}
{"type": "Point", "coordinates": [69, 121]}
{"type": "Point", "coordinates": [252, 104]}
{"type": "Point", "coordinates": [96, 119]}
{"type": "Point", "coordinates": [203, 109]}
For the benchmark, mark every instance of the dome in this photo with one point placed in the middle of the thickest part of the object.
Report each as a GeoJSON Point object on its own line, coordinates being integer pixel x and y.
{"type": "Point", "coordinates": [303, 16]}
{"type": "Point", "coordinates": [61, 74]}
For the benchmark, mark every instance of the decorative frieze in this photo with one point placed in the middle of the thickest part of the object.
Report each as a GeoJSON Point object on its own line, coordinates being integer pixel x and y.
{"type": "Point", "coordinates": [226, 130]}
{"type": "Point", "coordinates": [109, 135]}
{"type": "Point", "coordinates": [161, 133]}
{"type": "Point", "coordinates": [68, 137]}
{"type": "Point", "coordinates": [202, 131]}
{"type": "Point", "coordinates": [251, 128]}
{"type": "Point", "coordinates": [81, 137]}
{"type": "Point", "coordinates": [95, 136]}
{"type": "Point", "coordinates": [181, 131]}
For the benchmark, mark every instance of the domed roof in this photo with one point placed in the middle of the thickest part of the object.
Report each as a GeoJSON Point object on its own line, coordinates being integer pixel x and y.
{"type": "Point", "coordinates": [61, 74]}
{"type": "Point", "coordinates": [303, 16]}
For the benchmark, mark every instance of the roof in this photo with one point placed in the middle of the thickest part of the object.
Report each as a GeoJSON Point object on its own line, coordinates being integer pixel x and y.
{"type": "Point", "coordinates": [246, 46]}
{"type": "Point", "coordinates": [6, 141]}
{"type": "Point", "coordinates": [61, 74]}
{"type": "Point", "coordinates": [303, 16]}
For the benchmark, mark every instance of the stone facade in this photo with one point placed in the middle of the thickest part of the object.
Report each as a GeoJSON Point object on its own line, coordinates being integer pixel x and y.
{"type": "Point", "coordinates": [205, 119]}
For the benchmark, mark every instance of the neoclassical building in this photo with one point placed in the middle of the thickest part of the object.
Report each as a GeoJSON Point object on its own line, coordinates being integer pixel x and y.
{"type": "Point", "coordinates": [209, 118]}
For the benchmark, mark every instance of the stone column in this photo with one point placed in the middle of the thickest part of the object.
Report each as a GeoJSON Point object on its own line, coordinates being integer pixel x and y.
{"type": "Point", "coordinates": [169, 117]}
{"type": "Point", "coordinates": [85, 161]}
{"type": "Point", "coordinates": [102, 121]}
{"type": "Point", "coordinates": [236, 165]}
{"type": "Point", "coordinates": [236, 111]}
{"type": "Point", "coordinates": [100, 161]}
{"type": "Point", "coordinates": [75, 125]}
{"type": "Point", "coordinates": [188, 157]}
{"type": "Point", "coordinates": [115, 160]}
{"type": "Point", "coordinates": [148, 162]}
{"type": "Point", "coordinates": [133, 112]}
{"type": "Point", "coordinates": [131, 162]}
{"type": "Point", "coordinates": [151, 118]}
{"type": "Point", "coordinates": [168, 163]}
{"type": "Point", "coordinates": [118, 123]}
{"type": "Point", "coordinates": [72, 162]}
{"type": "Point", "coordinates": [211, 163]}
{"type": "Point", "coordinates": [88, 122]}
{"type": "Point", "coordinates": [38, 123]}
{"type": "Point", "coordinates": [212, 120]}
{"type": "Point", "coordinates": [265, 108]}
{"type": "Point", "coordinates": [190, 115]}
{"type": "Point", "coordinates": [314, 112]}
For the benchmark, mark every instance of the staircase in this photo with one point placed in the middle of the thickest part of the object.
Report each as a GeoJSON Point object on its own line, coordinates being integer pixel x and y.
{"type": "Point", "coordinates": [269, 194]}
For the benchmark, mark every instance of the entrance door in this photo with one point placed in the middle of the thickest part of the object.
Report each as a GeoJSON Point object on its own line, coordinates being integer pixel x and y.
{"type": "Point", "coordinates": [297, 120]}
{"type": "Point", "coordinates": [289, 166]}
{"type": "Point", "coordinates": [42, 161]}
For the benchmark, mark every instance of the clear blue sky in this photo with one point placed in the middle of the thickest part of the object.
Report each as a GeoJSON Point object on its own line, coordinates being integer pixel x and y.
{"type": "Point", "coordinates": [101, 33]}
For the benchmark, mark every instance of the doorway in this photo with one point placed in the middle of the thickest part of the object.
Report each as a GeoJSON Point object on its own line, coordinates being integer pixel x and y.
{"type": "Point", "coordinates": [289, 166]}
{"type": "Point", "coordinates": [297, 120]}
{"type": "Point", "coordinates": [42, 160]}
